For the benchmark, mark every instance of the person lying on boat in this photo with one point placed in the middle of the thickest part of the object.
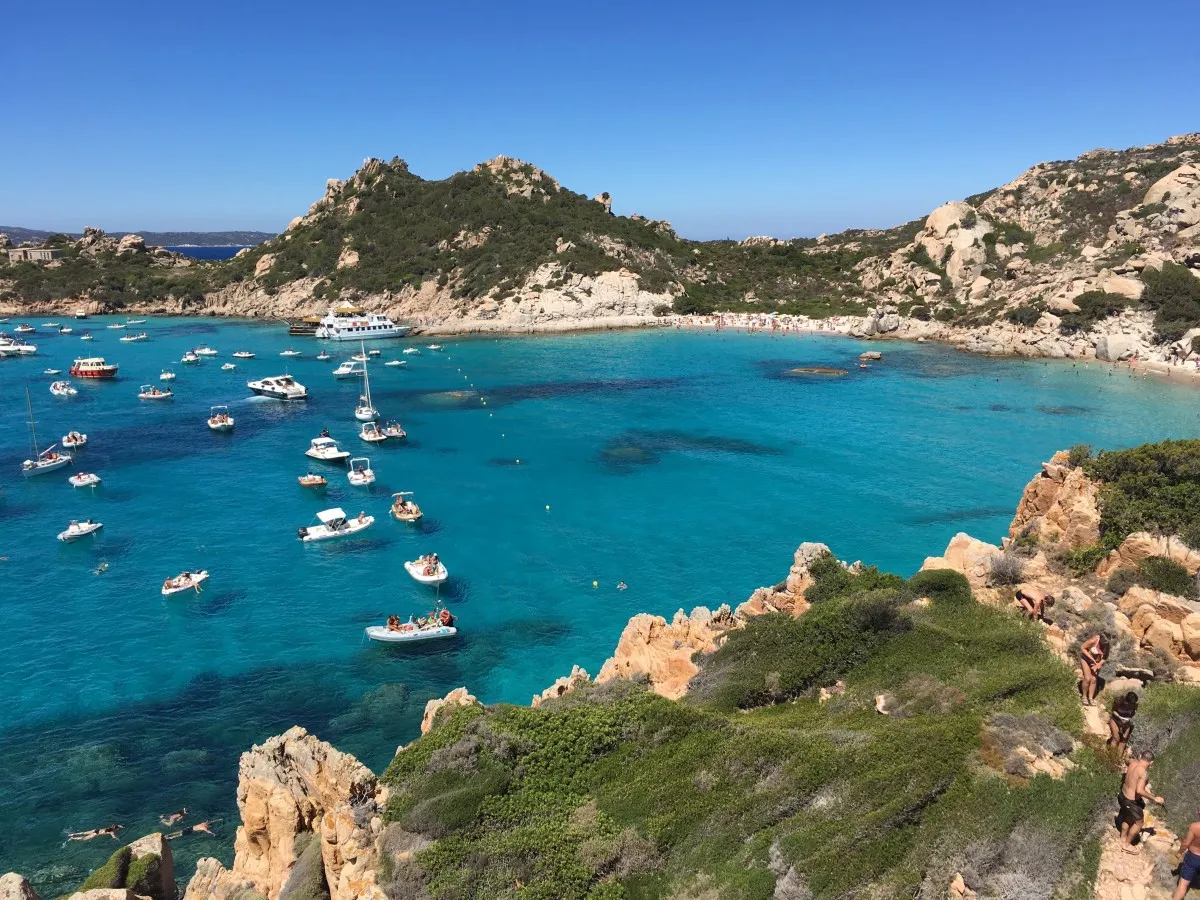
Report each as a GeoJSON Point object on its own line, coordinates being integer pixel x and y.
{"type": "Point", "coordinates": [171, 818]}
{"type": "Point", "coordinates": [110, 830]}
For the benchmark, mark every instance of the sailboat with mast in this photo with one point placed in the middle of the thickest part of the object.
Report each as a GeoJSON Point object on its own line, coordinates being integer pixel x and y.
{"type": "Point", "coordinates": [365, 411]}
{"type": "Point", "coordinates": [43, 460]}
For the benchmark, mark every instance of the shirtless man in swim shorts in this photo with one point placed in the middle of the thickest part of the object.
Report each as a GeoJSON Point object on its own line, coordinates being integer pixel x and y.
{"type": "Point", "coordinates": [1135, 791]}
{"type": "Point", "coordinates": [1190, 867]}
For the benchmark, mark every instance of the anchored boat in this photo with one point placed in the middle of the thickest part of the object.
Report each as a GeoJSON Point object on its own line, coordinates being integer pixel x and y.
{"type": "Point", "coordinates": [219, 419]}
{"type": "Point", "coordinates": [427, 569]}
{"type": "Point", "coordinates": [45, 460]}
{"type": "Point", "coordinates": [184, 581]}
{"type": "Point", "coordinates": [333, 523]}
{"type": "Point", "coordinates": [279, 387]}
{"type": "Point", "coordinates": [93, 367]}
{"type": "Point", "coordinates": [326, 449]}
{"type": "Point", "coordinates": [77, 530]}
{"type": "Point", "coordinates": [405, 510]}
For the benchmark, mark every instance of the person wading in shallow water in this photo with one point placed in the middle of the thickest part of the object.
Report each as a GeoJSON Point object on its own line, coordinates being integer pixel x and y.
{"type": "Point", "coordinates": [1189, 868]}
{"type": "Point", "coordinates": [1135, 791]}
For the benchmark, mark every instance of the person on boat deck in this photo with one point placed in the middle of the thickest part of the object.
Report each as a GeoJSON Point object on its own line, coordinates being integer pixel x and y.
{"type": "Point", "coordinates": [1034, 602]}
{"type": "Point", "coordinates": [362, 516]}
{"type": "Point", "coordinates": [393, 623]}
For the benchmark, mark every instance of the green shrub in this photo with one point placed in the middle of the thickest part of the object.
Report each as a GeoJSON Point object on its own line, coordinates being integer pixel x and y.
{"type": "Point", "coordinates": [1154, 487]}
{"type": "Point", "coordinates": [920, 311]}
{"type": "Point", "coordinates": [1094, 306]}
{"type": "Point", "coordinates": [1122, 580]}
{"type": "Point", "coordinates": [307, 879]}
{"type": "Point", "coordinates": [1007, 569]}
{"type": "Point", "coordinates": [110, 875]}
{"type": "Point", "coordinates": [1084, 559]}
{"type": "Point", "coordinates": [1168, 576]}
{"type": "Point", "coordinates": [942, 586]}
{"type": "Point", "coordinates": [1078, 455]}
{"type": "Point", "coordinates": [1174, 294]}
{"type": "Point", "coordinates": [920, 256]}
{"type": "Point", "coordinates": [831, 579]}
{"type": "Point", "coordinates": [1025, 315]}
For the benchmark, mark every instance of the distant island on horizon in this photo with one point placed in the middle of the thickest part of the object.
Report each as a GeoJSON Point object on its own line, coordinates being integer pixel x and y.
{"type": "Point", "coordinates": [19, 235]}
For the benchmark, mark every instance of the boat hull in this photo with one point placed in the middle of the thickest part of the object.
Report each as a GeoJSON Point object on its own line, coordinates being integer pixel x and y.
{"type": "Point", "coordinates": [54, 466]}
{"type": "Point", "coordinates": [380, 633]}
{"type": "Point", "coordinates": [277, 394]}
{"type": "Point", "coordinates": [69, 537]}
{"type": "Point", "coordinates": [198, 578]}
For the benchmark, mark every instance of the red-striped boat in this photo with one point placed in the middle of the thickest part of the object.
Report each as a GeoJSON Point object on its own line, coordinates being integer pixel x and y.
{"type": "Point", "coordinates": [93, 367]}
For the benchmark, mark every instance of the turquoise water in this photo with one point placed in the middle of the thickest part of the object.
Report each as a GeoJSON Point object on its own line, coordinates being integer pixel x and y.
{"type": "Point", "coordinates": [687, 465]}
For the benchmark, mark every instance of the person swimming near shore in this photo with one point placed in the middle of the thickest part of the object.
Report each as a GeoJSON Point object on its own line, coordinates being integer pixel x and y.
{"type": "Point", "coordinates": [198, 828]}
{"type": "Point", "coordinates": [172, 818]}
{"type": "Point", "coordinates": [110, 830]}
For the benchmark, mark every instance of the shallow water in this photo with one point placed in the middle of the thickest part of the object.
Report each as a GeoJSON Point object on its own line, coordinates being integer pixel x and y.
{"type": "Point", "coordinates": [687, 465]}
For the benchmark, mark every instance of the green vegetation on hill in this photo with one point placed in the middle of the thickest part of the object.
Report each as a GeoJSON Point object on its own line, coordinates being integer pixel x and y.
{"type": "Point", "coordinates": [751, 782]}
{"type": "Point", "coordinates": [1154, 487]}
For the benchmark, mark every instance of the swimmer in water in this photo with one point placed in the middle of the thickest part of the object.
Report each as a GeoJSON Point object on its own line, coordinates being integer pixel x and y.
{"type": "Point", "coordinates": [621, 586]}
{"type": "Point", "coordinates": [110, 830]}
{"type": "Point", "coordinates": [171, 818]}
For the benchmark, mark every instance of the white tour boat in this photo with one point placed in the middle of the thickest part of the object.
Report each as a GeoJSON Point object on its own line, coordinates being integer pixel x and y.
{"type": "Point", "coordinates": [150, 392]}
{"type": "Point", "coordinates": [184, 581]}
{"type": "Point", "coordinates": [167, 375]}
{"type": "Point", "coordinates": [279, 387]}
{"type": "Point", "coordinates": [243, 354]}
{"type": "Point", "coordinates": [219, 419]}
{"type": "Point", "coordinates": [227, 367]}
{"type": "Point", "coordinates": [404, 510]}
{"type": "Point", "coordinates": [77, 530]}
{"type": "Point", "coordinates": [205, 350]}
{"type": "Point", "coordinates": [360, 473]}
{"type": "Point", "coordinates": [393, 429]}
{"type": "Point", "coordinates": [289, 353]}
{"type": "Point", "coordinates": [84, 479]}
{"type": "Point", "coordinates": [349, 323]}
{"type": "Point", "coordinates": [411, 351]}
{"type": "Point", "coordinates": [411, 632]}
{"type": "Point", "coordinates": [190, 358]}
{"type": "Point", "coordinates": [427, 569]}
{"type": "Point", "coordinates": [351, 368]}
{"type": "Point", "coordinates": [93, 367]}
{"type": "Point", "coordinates": [372, 433]}
{"type": "Point", "coordinates": [333, 523]}
{"type": "Point", "coordinates": [74, 439]}
{"type": "Point", "coordinates": [43, 460]}
{"type": "Point", "coordinates": [326, 449]}
{"type": "Point", "coordinates": [63, 389]}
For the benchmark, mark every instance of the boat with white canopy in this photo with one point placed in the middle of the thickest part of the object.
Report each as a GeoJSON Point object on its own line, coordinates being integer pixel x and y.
{"type": "Point", "coordinates": [350, 368]}
{"type": "Point", "coordinates": [219, 419]}
{"type": "Point", "coordinates": [333, 523]}
{"type": "Point", "coordinates": [403, 509]}
{"type": "Point", "coordinates": [326, 449]}
{"type": "Point", "coordinates": [360, 473]}
{"type": "Point", "coordinates": [372, 433]}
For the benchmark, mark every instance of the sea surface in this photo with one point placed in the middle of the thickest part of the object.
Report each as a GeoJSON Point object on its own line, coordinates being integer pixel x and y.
{"type": "Point", "coordinates": [688, 465]}
{"type": "Point", "coordinates": [208, 252]}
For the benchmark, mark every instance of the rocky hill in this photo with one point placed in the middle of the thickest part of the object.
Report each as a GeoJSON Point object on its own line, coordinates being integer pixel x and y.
{"type": "Point", "coordinates": [844, 733]}
{"type": "Point", "coordinates": [1094, 256]}
{"type": "Point", "coordinates": [18, 235]}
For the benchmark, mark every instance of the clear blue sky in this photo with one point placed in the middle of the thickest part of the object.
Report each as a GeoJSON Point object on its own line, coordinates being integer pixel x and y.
{"type": "Point", "coordinates": [728, 119]}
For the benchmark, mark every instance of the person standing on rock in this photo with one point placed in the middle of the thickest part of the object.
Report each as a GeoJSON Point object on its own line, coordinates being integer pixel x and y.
{"type": "Point", "coordinates": [1135, 791]}
{"type": "Point", "coordinates": [1034, 601]}
{"type": "Point", "coordinates": [1190, 867]}
{"type": "Point", "coordinates": [1092, 655]}
{"type": "Point", "coordinates": [1120, 722]}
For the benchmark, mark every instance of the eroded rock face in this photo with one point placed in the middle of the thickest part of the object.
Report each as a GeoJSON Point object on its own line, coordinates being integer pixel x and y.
{"type": "Point", "coordinates": [789, 596]}
{"type": "Point", "coordinates": [1059, 505]}
{"type": "Point", "coordinates": [563, 685]}
{"type": "Point", "coordinates": [1159, 621]}
{"type": "Point", "coordinates": [294, 783]}
{"type": "Point", "coordinates": [16, 887]}
{"type": "Point", "coordinates": [1142, 545]}
{"type": "Point", "coordinates": [457, 697]}
{"type": "Point", "coordinates": [968, 555]}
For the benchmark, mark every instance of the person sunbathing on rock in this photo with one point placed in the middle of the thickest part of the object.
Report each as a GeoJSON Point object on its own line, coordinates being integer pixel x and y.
{"type": "Point", "coordinates": [1034, 602]}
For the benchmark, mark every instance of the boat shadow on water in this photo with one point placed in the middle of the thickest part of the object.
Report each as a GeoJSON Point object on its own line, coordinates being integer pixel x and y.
{"type": "Point", "coordinates": [352, 547]}
{"type": "Point", "coordinates": [214, 603]}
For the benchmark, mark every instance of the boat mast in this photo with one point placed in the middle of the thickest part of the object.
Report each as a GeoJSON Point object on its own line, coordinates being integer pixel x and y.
{"type": "Point", "coordinates": [32, 427]}
{"type": "Point", "coordinates": [366, 373]}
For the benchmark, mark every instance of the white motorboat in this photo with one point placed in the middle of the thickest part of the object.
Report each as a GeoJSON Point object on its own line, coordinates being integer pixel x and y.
{"type": "Point", "coordinates": [411, 351]}
{"type": "Point", "coordinates": [86, 336]}
{"type": "Point", "coordinates": [323, 356]}
{"type": "Point", "coordinates": [43, 460]}
{"type": "Point", "coordinates": [243, 354]}
{"type": "Point", "coordinates": [359, 357]}
{"type": "Point", "coordinates": [135, 321]}
{"type": "Point", "coordinates": [360, 473]}
{"type": "Point", "coordinates": [433, 346]}
{"type": "Point", "coordinates": [427, 569]}
{"type": "Point", "coordinates": [73, 439]}
{"type": "Point", "coordinates": [227, 367]}
{"type": "Point", "coordinates": [349, 323]}
{"type": "Point", "coordinates": [205, 350]}
{"type": "Point", "coordinates": [412, 632]}
{"type": "Point", "coordinates": [65, 329]}
{"type": "Point", "coordinates": [394, 429]}
{"type": "Point", "coordinates": [63, 389]}
{"type": "Point", "coordinates": [190, 358]}
{"type": "Point", "coordinates": [167, 375]}
{"type": "Point", "coordinates": [52, 371]}
{"type": "Point", "coordinates": [351, 368]}
{"type": "Point", "coordinates": [116, 325]}
{"type": "Point", "coordinates": [396, 362]}
{"type": "Point", "coordinates": [77, 530]}
{"type": "Point", "coordinates": [134, 338]}
{"type": "Point", "coordinates": [81, 314]}
{"type": "Point", "coordinates": [84, 479]}
{"type": "Point", "coordinates": [365, 411]}
{"type": "Point", "coordinates": [184, 581]}
{"type": "Point", "coordinates": [372, 433]}
{"type": "Point", "coordinates": [52, 325]}
{"type": "Point", "coordinates": [279, 387]}
{"type": "Point", "coordinates": [24, 329]}
{"type": "Point", "coordinates": [326, 449]}
{"type": "Point", "coordinates": [290, 353]}
{"type": "Point", "coordinates": [333, 523]}
{"type": "Point", "coordinates": [374, 352]}
{"type": "Point", "coordinates": [11, 347]}
{"type": "Point", "coordinates": [150, 392]}
{"type": "Point", "coordinates": [219, 419]}
{"type": "Point", "coordinates": [403, 509]}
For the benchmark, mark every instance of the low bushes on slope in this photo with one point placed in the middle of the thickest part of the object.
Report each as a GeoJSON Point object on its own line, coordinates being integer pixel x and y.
{"type": "Point", "coordinates": [1174, 294]}
{"type": "Point", "coordinates": [1154, 487]}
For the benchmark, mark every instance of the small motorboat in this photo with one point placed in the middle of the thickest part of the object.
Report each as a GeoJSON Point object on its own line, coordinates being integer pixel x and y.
{"type": "Point", "coordinates": [323, 356]}
{"type": "Point", "coordinates": [116, 325]}
{"type": "Point", "coordinates": [289, 353]}
{"type": "Point", "coordinates": [24, 329]}
{"type": "Point", "coordinates": [84, 479]}
{"type": "Point", "coordinates": [374, 352]}
{"type": "Point", "coordinates": [227, 367]}
{"type": "Point", "coordinates": [52, 372]}
{"type": "Point", "coordinates": [86, 336]}
{"type": "Point", "coordinates": [433, 346]}
{"type": "Point", "coordinates": [20, 348]}
{"type": "Point", "coordinates": [427, 570]}
{"type": "Point", "coordinates": [312, 481]}
{"type": "Point", "coordinates": [333, 523]}
{"type": "Point", "coordinates": [77, 530]}
{"type": "Point", "coordinates": [372, 433]}
{"type": "Point", "coordinates": [150, 392]}
{"type": "Point", "coordinates": [360, 473]}
{"type": "Point", "coordinates": [81, 314]}
{"type": "Point", "coordinates": [404, 510]}
{"type": "Point", "coordinates": [190, 358]}
{"type": "Point", "coordinates": [359, 357]}
{"type": "Point", "coordinates": [205, 350]}
{"type": "Point", "coordinates": [184, 581]}
{"type": "Point", "coordinates": [279, 387]}
{"type": "Point", "coordinates": [411, 351]}
{"type": "Point", "coordinates": [414, 630]}
{"type": "Point", "coordinates": [393, 429]}
{"type": "Point", "coordinates": [243, 354]}
{"type": "Point", "coordinates": [135, 321]}
{"type": "Point", "coordinates": [65, 329]}
{"type": "Point", "coordinates": [52, 325]}
{"type": "Point", "coordinates": [167, 375]}
{"type": "Point", "coordinates": [219, 419]}
{"type": "Point", "coordinates": [326, 449]}
{"type": "Point", "coordinates": [351, 368]}
{"type": "Point", "coordinates": [63, 389]}
{"type": "Point", "coordinates": [396, 362]}
{"type": "Point", "coordinates": [74, 439]}
{"type": "Point", "coordinates": [134, 338]}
